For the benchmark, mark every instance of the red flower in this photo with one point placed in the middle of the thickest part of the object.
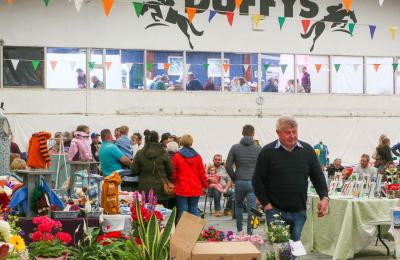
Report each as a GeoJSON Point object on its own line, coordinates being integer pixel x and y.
{"type": "Point", "coordinates": [159, 216]}
{"type": "Point", "coordinates": [105, 239]}
{"type": "Point", "coordinates": [37, 236]}
{"type": "Point", "coordinates": [137, 240]}
{"type": "Point", "coordinates": [48, 237]}
{"type": "Point", "coordinates": [64, 237]}
{"type": "Point", "coordinates": [45, 227]}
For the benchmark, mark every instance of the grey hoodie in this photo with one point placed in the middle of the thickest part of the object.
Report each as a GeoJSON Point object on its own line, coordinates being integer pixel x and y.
{"type": "Point", "coordinates": [244, 156]}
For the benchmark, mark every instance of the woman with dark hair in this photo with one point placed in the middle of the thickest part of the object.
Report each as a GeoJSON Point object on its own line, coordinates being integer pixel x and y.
{"type": "Point", "coordinates": [383, 153]}
{"type": "Point", "coordinates": [153, 166]}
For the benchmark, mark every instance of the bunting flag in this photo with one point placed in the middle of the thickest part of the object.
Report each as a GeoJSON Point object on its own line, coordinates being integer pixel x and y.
{"type": "Point", "coordinates": [372, 29]}
{"type": "Point", "coordinates": [166, 67]}
{"type": "Point", "coordinates": [15, 64]}
{"type": "Point", "coordinates": [351, 28]}
{"type": "Point", "coordinates": [226, 67]}
{"type": "Point", "coordinates": [381, 2]}
{"type": "Point", "coordinates": [108, 65]}
{"type": "Point", "coordinates": [393, 32]}
{"type": "Point", "coordinates": [191, 12]}
{"type": "Point", "coordinates": [205, 65]}
{"type": "Point", "coordinates": [187, 67]}
{"type": "Point", "coordinates": [46, 2]}
{"type": "Point", "coordinates": [318, 67]}
{"type": "Point", "coordinates": [138, 8]}
{"type": "Point", "coordinates": [10, 2]}
{"type": "Point", "coordinates": [246, 67]}
{"type": "Point", "coordinates": [395, 65]}
{"type": "Point", "coordinates": [337, 67]}
{"type": "Point", "coordinates": [305, 23]}
{"type": "Point", "coordinates": [211, 16]}
{"type": "Point", "coordinates": [238, 3]}
{"type": "Point", "coordinates": [91, 64]}
{"type": "Point", "coordinates": [284, 67]}
{"type": "Point", "coordinates": [281, 20]}
{"type": "Point", "coordinates": [78, 4]}
{"type": "Point", "coordinates": [376, 67]}
{"type": "Point", "coordinates": [149, 66]}
{"type": "Point", "coordinates": [129, 64]}
{"type": "Point", "coordinates": [72, 64]}
{"type": "Point", "coordinates": [35, 64]}
{"type": "Point", "coordinates": [256, 20]}
{"type": "Point", "coordinates": [347, 4]}
{"type": "Point", "coordinates": [356, 66]}
{"type": "Point", "coordinates": [53, 64]}
{"type": "Point", "coordinates": [107, 4]}
{"type": "Point", "coordinates": [230, 15]}
{"type": "Point", "coordinates": [164, 10]}
{"type": "Point", "coordinates": [266, 66]}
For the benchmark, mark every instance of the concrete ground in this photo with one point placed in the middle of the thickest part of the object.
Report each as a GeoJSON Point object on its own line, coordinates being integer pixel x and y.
{"type": "Point", "coordinates": [226, 223]}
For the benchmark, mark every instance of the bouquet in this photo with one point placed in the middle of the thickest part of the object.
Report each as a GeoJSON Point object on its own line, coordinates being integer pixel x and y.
{"type": "Point", "coordinates": [211, 234]}
{"type": "Point", "coordinates": [146, 209]}
{"type": "Point", "coordinates": [278, 234]}
{"type": "Point", "coordinates": [48, 240]}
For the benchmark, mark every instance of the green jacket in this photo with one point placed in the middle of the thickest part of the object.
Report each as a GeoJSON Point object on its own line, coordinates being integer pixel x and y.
{"type": "Point", "coordinates": [149, 163]}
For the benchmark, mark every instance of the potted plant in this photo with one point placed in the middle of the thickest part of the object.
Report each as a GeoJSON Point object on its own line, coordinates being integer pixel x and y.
{"type": "Point", "coordinates": [48, 240]}
{"type": "Point", "coordinates": [278, 234]}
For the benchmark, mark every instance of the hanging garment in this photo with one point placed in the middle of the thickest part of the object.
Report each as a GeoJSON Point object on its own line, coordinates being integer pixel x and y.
{"type": "Point", "coordinates": [38, 153]}
{"type": "Point", "coordinates": [109, 193]}
{"type": "Point", "coordinates": [5, 132]}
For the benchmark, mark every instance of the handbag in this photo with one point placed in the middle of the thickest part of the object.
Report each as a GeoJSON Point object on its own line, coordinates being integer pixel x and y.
{"type": "Point", "coordinates": [168, 187]}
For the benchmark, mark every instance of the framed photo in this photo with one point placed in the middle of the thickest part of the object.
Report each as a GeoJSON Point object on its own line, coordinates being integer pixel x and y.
{"type": "Point", "coordinates": [175, 65]}
{"type": "Point", "coordinates": [215, 67]}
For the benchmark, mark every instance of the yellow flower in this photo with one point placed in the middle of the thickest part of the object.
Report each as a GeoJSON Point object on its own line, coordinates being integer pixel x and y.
{"type": "Point", "coordinates": [18, 243]}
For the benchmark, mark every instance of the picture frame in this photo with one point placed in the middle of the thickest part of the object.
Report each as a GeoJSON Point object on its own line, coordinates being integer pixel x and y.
{"type": "Point", "coordinates": [215, 67]}
{"type": "Point", "coordinates": [175, 65]}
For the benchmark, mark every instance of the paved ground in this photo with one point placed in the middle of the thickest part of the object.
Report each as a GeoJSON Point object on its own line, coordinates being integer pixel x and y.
{"type": "Point", "coordinates": [227, 223]}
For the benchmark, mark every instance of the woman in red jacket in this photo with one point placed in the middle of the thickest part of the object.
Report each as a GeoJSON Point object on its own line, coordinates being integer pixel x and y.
{"type": "Point", "coordinates": [189, 177]}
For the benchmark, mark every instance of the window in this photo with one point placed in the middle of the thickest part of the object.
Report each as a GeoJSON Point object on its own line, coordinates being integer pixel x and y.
{"type": "Point", "coordinates": [23, 66]}
{"type": "Point", "coordinates": [379, 75]}
{"type": "Point", "coordinates": [132, 69]}
{"type": "Point", "coordinates": [96, 70]}
{"type": "Point", "coordinates": [66, 68]}
{"type": "Point", "coordinates": [312, 74]}
{"type": "Point", "coordinates": [347, 74]}
{"type": "Point", "coordinates": [206, 67]}
{"type": "Point", "coordinates": [277, 72]}
{"type": "Point", "coordinates": [159, 68]}
{"type": "Point", "coordinates": [397, 75]}
{"type": "Point", "coordinates": [241, 71]}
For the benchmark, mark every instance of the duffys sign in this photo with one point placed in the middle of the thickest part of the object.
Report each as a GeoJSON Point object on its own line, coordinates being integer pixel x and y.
{"type": "Point", "coordinates": [336, 16]}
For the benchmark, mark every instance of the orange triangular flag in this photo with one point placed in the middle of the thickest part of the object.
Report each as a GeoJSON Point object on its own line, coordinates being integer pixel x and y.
{"type": "Point", "coordinates": [318, 67]}
{"type": "Point", "coordinates": [191, 11]}
{"type": "Point", "coordinates": [53, 64]}
{"type": "Point", "coordinates": [166, 67]}
{"type": "Point", "coordinates": [107, 4]}
{"type": "Point", "coordinates": [347, 4]}
{"type": "Point", "coordinates": [306, 24]}
{"type": "Point", "coordinates": [376, 67]}
{"type": "Point", "coordinates": [108, 65]}
{"type": "Point", "coordinates": [238, 3]}
{"type": "Point", "coordinates": [229, 15]}
{"type": "Point", "coordinates": [10, 2]}
{"type": "Point", "coordinates": [226, 67]}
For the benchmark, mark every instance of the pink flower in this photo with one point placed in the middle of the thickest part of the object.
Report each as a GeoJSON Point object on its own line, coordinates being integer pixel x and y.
{"type": "Point", "coordinates": [37, 236]}
{"type": "Point", "coordinates": [64, 237]}
{"type": "Point", "coordinates": [45, 227]}
{"type": "Point", "coordinates": [48, 237]}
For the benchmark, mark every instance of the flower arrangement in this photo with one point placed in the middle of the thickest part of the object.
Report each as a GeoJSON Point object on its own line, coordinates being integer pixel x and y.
{"type": "Point", "coordinates": [211, 234]}
{"type": "Point", "coordinates": [12, 244]}
{"type": "Point", "coordinates": [48, 240]}
{"type": "Point", "coordinates": [278, 234]}
{"type": "Point", "coordinates": [146, 209]}
{"type": "Point", "coordinates": [255, 239]}
{"type": "Point", "coordinates": [108, 237]}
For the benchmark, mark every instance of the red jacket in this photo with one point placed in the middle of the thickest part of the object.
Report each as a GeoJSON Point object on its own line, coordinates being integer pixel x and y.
{"type": "Point", "coordinates": [189, 173]}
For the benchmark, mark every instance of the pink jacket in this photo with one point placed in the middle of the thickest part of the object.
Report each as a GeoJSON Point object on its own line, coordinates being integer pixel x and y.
{"type": "Point", "coordinates": [80, 144]}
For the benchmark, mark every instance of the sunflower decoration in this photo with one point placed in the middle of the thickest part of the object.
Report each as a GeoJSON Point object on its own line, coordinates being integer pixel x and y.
{"type": "Point", "coordinates": [18, 243]}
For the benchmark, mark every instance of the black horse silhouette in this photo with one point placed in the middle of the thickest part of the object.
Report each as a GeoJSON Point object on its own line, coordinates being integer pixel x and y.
{"type": "Point", "coordinates": [338, 16]}
{"type": "Point", "coordinates": [172, 17]}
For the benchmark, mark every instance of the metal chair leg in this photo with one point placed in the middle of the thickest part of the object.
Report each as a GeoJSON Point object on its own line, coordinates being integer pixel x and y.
{"type": "Point", "coordinates": [380, 239]}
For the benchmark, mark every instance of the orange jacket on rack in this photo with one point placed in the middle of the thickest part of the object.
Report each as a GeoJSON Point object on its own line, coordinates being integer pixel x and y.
{"type": "Point", "coordinates": [38, 153]}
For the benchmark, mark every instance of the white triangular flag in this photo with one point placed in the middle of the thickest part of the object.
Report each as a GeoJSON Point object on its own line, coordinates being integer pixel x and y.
{"type": "Point", "coordinates": [187, 68]}
{"type": "Point", "coordinates": [15, 63]}
{"type": "Point", "coordinates": [129, 64]}
{"type": "Point", "coordinates": [72, 64]}
{"type": "Point", "coordinates": [246, 67]}
{"type": "Point", "coordinates": [355, 66]}
{"type": "Point", "coordinates": [381, 2]}
{"type": "Point", "coordinates": [78, 5]}
{"type": "Point", "coordinates": [164, 11]}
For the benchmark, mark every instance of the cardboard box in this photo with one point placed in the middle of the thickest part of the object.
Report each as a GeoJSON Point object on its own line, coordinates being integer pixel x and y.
{"type": "Point", "coordinates": [184, 244]}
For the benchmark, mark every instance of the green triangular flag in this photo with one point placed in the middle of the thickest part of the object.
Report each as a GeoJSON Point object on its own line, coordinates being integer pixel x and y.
{"type": "Point", "coordinates": [35, 64]}
{"type": "Point", "coordinates": [395, 65]}
{"type": "Point", "coordinates": [337, 66]}
{"type": "Point", "coordinates": [138, 8]}
{"type": "Point", "coordinates": [46, 2]}
{"type": "Point", "coordinates": [284, 67]}
{"type": "Point", "coordinates": [266, 66]}
{"type": "Point", "coordinates": [91, 64]}
{"type": "Point", "coordinates": [149, 66]}
{"type": "Point", "coordinates": [205, 66]}
{"type": "Point", "coordinates": [281, 20]}
{"type": "Point", "coordinates": [351, 28]}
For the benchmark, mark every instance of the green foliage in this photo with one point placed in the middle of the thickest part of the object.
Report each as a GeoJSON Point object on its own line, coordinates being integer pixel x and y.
{"type": "Point", "coordinates": [44, 248]}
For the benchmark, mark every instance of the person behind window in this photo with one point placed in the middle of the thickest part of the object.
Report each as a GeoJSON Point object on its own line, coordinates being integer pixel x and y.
{"type": "Point", "coordinates": [81, 78]}
{"type": "Point", "coordinates": [162, 83]}
{"type": "Point", "coordinates": [299, 87]}
{"type": "Point", "coordinates": [98, 84]}
{"type": "Point", "coordinates": [235, 84]}
{"type": "Point", "coordinates": [272, 85]}
{"type": "Point", "coordinates": [193, 83]}
{"type": "Point", "coordinates": [210, 84]}
{"type": "Point", "coordinates": [290, 88]}
{"type": "Point", "coordinates": [244, 86]}
{"type": "Point", "coordinates": [305, 80]}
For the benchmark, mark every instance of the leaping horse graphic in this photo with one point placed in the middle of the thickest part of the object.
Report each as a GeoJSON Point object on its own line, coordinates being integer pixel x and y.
{"type": "Point", "coordinates": [172, 17]}
{"type": "Point", "coordinates": [339, 18]}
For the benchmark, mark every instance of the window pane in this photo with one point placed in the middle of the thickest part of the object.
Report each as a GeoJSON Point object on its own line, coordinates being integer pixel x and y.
{"type": "Point", "coordinates": [347, 74]}
{"type": "Point", "coordinates": [379, 75]}
{"type": "Point", "coordinates": [312, 74]}
{"type": "Point", "coordinates": [397, 73]}
{"type": "Point", "coordinates": [165, 70]}
{"type": "Point", "coordinates": [66, 68]}
{"type": "Point", "coordinates": [23, 66]}
{"type": "Point", "coordinates": [277, 72]}
{"type": "Point", "coordinates": [132, 69]}
{"type": "Point", "coordinates": [242, 72]}
{"type": "Point", "coordinates": [206, 67]}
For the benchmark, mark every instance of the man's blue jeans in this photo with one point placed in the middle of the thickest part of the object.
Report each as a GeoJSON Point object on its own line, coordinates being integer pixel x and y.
{"type": "Point", "coordinates": [217, 199]}
{"type": "Point", "coordinates": [244, 189]}
{"type": "Point", "coordinates": [296, 221]}
{"type": "Point", "coordinates": [188, 204]}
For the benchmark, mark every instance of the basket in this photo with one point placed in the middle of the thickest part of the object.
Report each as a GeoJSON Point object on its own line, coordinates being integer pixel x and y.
{"type": "Point", "coordinates": [91, 214]}
{"type": "Point", "coordinates": [65, 214]}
